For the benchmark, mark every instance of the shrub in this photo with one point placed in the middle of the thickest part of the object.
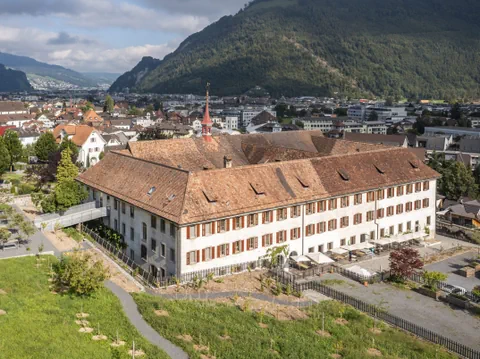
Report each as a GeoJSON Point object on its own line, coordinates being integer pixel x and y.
{"type": "Point", "coordinates": [80, 274]}
{"type": "Point", "coordinates": [432, 278]}
{"type": "Point", "coordinates": [476, 291]}
{"type": "Point", "coordinates": [404, 262]}
{"type": "Point", "coordinates": [25, 188]}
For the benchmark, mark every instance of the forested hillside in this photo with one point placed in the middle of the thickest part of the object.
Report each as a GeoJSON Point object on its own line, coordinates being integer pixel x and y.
{"type": "Point", "coordinates": [412, 48]}
{"type": "Point", "coordinates": [12, 80]}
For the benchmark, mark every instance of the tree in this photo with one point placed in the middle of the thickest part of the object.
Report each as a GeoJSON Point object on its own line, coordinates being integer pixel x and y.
{"type": "Point", "coordinates": [80, 273]}
{"type": "Point", "coordinates": [431, 279]}
{"type": "Point", "coordinates": [373, 116]}
{"type": "Point", "coordinates": [101, 156]}
{"type": "Point", "coordinates": [109, 104]}
{"type": "Point", "coordinates": [14, 146]}
{"type": "Point", "coordinates": [66, 171]}
{"type": "Point", "coordinates": [456, 181]}
{"type": "Point", "coordinates": [134, 111]}
{"type": "Point", "coordinates": [456, 112]}
{"type": "Point", "coordinates": [73, 148]}
{"type": "Point", "coordinates": [68, 194]}
{"type": "Point", "coordinates": [149, 109]}
{"type": "Point", "coordinates": [389, 101]}
{"type": "Point", "coordinates": [274, 253]}
{"type": "Point", "coordinates": [4, 235]}
{"type": "Point", "coordinates": [341, 112]}
{"type": "Point", "coordinates": [4, 156]}
{"type": "Point", "coordinates": [45, 146]}
{"type": "Point", "coordinates": [404, 262]}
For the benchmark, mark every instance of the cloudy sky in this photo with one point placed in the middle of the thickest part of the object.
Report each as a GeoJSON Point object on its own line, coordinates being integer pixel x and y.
{"type": "Point", "coordinates": [103, 35]}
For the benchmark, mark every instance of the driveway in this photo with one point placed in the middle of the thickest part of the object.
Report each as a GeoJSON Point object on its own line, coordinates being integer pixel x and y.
{"type": "Point", "coordinates": [438, 317]}
{"type": "Point", "coordinates": [451, 265]}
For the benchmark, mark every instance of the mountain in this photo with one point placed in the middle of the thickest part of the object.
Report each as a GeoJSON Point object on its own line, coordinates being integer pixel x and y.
{"type": "Point", "coordinates": [412, 48]}
{"type": "Point", "coordinates": [41, 72]}
{"type": "Point", "coordinates": [134, 77]}
{"type": "Point", "coordinates": [101, 77]}
{"type": "Point", "coordinates": [12, 80]}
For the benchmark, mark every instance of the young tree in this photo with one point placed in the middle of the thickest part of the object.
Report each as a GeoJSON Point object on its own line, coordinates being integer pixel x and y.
{"type": "Point", "coordinates": [431, 279]}
{"type": "Point", "coordinates": [109, 104]}
{"type": "Point", "coordinates": [73, 148]}
{"type": "Point", "coordinates": [82, 275]}
{"type": "Point", "coordinates": [404, 262]}
{"type": "Point", "coordinates": [45, 146]}
{"type": "Point", "coordinates": [14, 146]}
{"type": "Point", "coordinates": [68, 194]}
{"type": "Point", "coordinates": [4, 235]}
{"type": "Point", "coordinates": [4, 156]}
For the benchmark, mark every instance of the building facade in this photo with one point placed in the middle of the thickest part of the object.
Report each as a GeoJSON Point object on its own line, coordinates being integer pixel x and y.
{"type": "Point", "coordinates": [182, 212]}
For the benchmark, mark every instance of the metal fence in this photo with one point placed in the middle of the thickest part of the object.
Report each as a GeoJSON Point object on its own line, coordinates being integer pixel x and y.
{"type": "Point", "coordinates": [418, 278]}
{"type": "Point", "coordinates": [378, 312]}
{"type": "Point", "coordinates": [157, 281]}
{"type": "Point", "coordinates": [129, 264]}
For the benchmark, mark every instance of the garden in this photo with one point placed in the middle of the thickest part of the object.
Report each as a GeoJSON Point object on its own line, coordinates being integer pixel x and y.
{"type": "Point", "coordinates": [39, 315]}
{"type": "Point", "coordinates": [14, 230]}
{"type": "Point", "coordinates": [240, 328]}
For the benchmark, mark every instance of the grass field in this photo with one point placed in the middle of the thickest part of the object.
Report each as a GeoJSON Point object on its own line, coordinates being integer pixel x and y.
{"type": "Point", "coordinates": [41, 325]}
{"type": "Point", "coordinates": [227, 332]}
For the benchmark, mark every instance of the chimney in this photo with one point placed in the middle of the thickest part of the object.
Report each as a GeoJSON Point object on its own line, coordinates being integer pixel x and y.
{"type": "Point", "coordinates": [227, 162]}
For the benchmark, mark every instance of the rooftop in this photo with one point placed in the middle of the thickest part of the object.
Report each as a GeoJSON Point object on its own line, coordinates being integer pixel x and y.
{"type": "Point", "coordinates": [269, 171]}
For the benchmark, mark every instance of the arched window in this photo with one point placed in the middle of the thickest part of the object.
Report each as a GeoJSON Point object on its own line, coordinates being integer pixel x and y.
{"type": "Point", "coordinates": [143, 252]}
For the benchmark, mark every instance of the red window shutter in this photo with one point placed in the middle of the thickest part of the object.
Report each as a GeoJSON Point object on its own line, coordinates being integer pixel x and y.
{"type": "Point", "coordinates": [188, 259]}
{"type": "Point", "coordinates": [243, 221]}
{"type": "Point", "coordinates": [256, 242]}
{"type": "Point", "coordinates": [234, 225]}
{"type": "Point", "coordinates": [228, 250]}
{"type": "Point", "coordinates": [234, 250]}
{"type": "Point", "coordinates": [198, 230]}
{"type": "Point", "coordinates": [218, 251]}
{"type": "Point", "coordinates": [271, 216]}
{"type": "Point", "coordinates": [263, 241]}
{"type": "Point", "coordinates": [214, 230]}
{"type": "Point", "coordinates": [248, 244]}
{"type": "Point", "coordinates": [278, 237]}
{"type": "Point", "coordinates": [188, 232]}
{"type": "Point", "coordinates": [203, 229]}
{"type": "Point", "coordinates": [218, 226]}
{"type": "Point", "coordinates": [227, 226]}
{"type": "Point", "coordinates": [213, 252]}
{"type": "Point", "coordinates": [291, 234]}
{"type": "Point", "coordinates": [263, 217]}
{"type": "Point", "coordinates": [203, 255]}
{"type": "Point", "coordinates": [243, 246]}
{"type": "Point", "coordinates": [198, 256]}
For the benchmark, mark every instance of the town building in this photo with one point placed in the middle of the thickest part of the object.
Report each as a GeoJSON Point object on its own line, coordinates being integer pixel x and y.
{"type": "Point", "coordinates": [88, 140]}
{"type": "Point", "coordinates": [12, 108]}
{"type": "Point", "coordinates": [187, 205]}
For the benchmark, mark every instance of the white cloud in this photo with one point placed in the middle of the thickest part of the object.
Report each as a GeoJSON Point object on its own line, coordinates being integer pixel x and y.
{"type": "Point", "coordinates": [84, 55]}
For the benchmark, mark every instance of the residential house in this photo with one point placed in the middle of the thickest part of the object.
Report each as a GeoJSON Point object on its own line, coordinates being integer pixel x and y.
{"type": "Point", "coordinates": [88, 140]}
{"type": "Point", "coordinates": [13, 108]}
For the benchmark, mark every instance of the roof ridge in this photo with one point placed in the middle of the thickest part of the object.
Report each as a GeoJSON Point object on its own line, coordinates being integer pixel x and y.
{"type": "Point", "coordinates": [151, 162]}
{"type": "Point", "coordinates": [384, 149]}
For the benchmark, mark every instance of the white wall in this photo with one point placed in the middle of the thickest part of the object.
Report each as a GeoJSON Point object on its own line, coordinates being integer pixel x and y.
{"type": "Point", "coordinates": [93, 149]}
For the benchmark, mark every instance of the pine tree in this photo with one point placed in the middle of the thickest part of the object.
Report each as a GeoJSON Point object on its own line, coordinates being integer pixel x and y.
{"type": "Point", "coordinates": [66, 171]}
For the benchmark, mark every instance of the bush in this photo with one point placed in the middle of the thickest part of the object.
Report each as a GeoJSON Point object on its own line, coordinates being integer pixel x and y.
{"type": "Point", "coordinates": [432, 278]}
{"type": "Point", "coordinates": [25, 188]}
{"type": "Point", "coordinates": [476, 291]}
{"type": "Point", "coordinates": [81, 275]}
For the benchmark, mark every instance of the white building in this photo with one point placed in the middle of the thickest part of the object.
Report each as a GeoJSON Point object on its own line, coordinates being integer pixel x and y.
{"type": "Point", "coordinates": [12, 108]}
{"type": "Point", "coordinates": [231, 122]}
{"type": "Point", "coordinates": [88, 140]}
{"type": "Point", "coordinates": [375, 127]}
{"type": "Point", "coordinates": [194, 204]}
{"type": "Point", "coordinates": [356, 113]}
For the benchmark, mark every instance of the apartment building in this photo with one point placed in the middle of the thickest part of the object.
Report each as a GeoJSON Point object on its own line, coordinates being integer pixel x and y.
{"type": "Point", "coordinates": [193, 204]}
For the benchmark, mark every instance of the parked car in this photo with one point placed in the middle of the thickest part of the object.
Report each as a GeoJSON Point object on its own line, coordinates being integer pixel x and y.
{"type": "Point", "coordinates": [453, 289]}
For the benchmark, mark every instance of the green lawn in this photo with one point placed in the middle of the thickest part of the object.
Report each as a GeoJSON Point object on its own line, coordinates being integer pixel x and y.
{"type": "Point", "coordinates": [205, 322]}
{"type": "Point", "coordinates": [39, 324]}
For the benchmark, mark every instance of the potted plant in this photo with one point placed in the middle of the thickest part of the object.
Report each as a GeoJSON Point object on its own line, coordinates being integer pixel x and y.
{"type": "Point", "coordinates": [430, 287]}
{"type": "Point", "coordinates": [459, 300]}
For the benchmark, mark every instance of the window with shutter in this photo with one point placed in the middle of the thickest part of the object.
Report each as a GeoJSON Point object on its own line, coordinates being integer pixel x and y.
{"type": "Point", "coordinates": [400, 191]}
{"type": "Point", "coordinates": [426, 186]}
{"type": "Point", "coordinates": [322, 206]}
